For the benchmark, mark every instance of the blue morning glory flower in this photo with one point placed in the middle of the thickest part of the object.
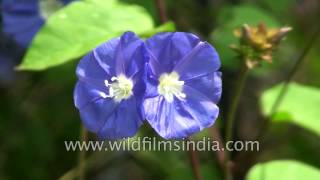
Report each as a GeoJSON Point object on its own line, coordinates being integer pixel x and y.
{"type": "Point", "coordinates": [183, 84]}
{"type": "Point", "coordinates": [21, 20]}
{"type": "Point", "coordinates": [110, 87]}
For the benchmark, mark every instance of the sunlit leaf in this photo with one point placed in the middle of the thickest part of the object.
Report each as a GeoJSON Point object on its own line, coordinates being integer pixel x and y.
{"type": "Point", "coordinates": [300, 106]}
{"type": "Point", "coordinates": [167, 27]}
{"type": "Point", "coordinates": [282, 170]}
{"type": "Point", "coordinates": [79, 27]}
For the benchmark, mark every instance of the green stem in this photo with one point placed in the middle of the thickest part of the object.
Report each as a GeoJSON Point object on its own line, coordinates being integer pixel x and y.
{"type": "Point", "coordinates": [231, 116]}
{"type": "Point", "coordinates": [82, 154]}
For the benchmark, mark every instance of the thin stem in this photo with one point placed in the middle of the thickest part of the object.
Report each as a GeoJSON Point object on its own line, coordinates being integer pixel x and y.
{"type": "Point", "coordinates": [161, 7]}
{"type": "Point", "coordinates": [82, 154]}
{"type": "Point", "coordinates": [230, 118]}
{"type": "Point", "coordinates": [220, 155]}
{"type": "Point", "coordinates": [294, 70]}
{"type": "Point", "coordinates": [195, 162]}
{"type": "Point", "coordinates": [94, 163]}
{"type": "Point", "coordinates": [299, 62]}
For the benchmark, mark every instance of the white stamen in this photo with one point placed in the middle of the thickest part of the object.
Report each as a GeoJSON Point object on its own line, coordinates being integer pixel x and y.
{"type": "Point", "coordinates": [103, 95]}
{"type": "Point", "coordinates": [171, 87]}
{"type": "Point", "coordinates": [120, 88]}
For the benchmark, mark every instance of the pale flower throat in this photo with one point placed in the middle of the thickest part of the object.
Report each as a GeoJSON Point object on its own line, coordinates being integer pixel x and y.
{"type": "Point", "coordinates": [120, 88]}
{"type": "Point", "coordinates": [170, 87]}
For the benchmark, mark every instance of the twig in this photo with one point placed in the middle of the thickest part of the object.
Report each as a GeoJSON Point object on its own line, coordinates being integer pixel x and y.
{"type": "Point", "coordinates": [195, 163]}
{"type": "Point", "coordinates": [161, 7]}
{"type": "Point", "coordinates": [216, 135]}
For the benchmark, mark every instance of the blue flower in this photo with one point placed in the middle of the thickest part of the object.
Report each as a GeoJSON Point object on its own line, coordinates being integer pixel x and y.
{"type": "Point", "coordinates": [183, 84]}
{"type": "Point", "coordinates": [110, 87]}
{"type": "Point", "coordinates": [21, 20]}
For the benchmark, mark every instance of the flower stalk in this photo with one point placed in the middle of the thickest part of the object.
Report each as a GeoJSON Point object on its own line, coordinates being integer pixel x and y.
{"type": "Point", "coordinates": [82, 154]}
{"type": "Point", "coordinates": [220, 155]}
{"type": "Point", "coordinates": [256, 46]}
{"type": "Point", "coordinates": [298, 64]}
{"type": "Point", "coordinates": [231, 116]}
{"type": "Point", "coordinates": [195, 163]}
{"type": "Point", "coordinates": [161, 7]}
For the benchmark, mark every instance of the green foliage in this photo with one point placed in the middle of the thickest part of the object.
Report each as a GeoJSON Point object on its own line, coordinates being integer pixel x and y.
{"type": "Point", "coordinates": [79, 27]}
{"type": "Point", "coordinates": [185, 173]}
{"type": "Point", "coordinates": [283, 169]}
{"type": "Point", "coordinates": [237, 15]}
{"type": "Point", "coordinates": [169, 26]}
{"type": "Point", "coordinates": [279, 7]}
{"type": "Point", "coordinates": [299, 106]}
{"type": "Point", "coordinates": [231, 18]}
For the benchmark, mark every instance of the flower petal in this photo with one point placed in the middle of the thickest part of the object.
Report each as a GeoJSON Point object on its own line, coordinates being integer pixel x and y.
{"type": "Point", "coordinates": [123, 122]}
{"type": "Point", "coordinates": [202, 60]}
{"type": "Point", "coordinates": [85, 93]}
{"type": "Point", "coordinates": [209, 85]}
{"type": "Point", "coordinates": [129, 56]}
{"type": "Point", "coordinates": [94, 108]}
{"type": "Point", "coordinates": [166, 49]}
{"type": "Point", "coordinates": [151, 85]}
{"type": "Point", "coordinates": [180, 119]}
{"type": "Point", "coordinates": [98, 65]}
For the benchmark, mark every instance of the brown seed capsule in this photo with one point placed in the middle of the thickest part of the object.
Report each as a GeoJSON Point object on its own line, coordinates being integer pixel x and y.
{"type": "Point", "coordinates": [258, 43]}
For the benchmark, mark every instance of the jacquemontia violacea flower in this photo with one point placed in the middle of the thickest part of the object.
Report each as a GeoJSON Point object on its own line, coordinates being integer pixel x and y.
{"type": "Point", "coordinates": [183, 84]}
{"type": "Point", "coordinates": [171, 80]}
{"type": "Point", "coordinates": [110, 88]}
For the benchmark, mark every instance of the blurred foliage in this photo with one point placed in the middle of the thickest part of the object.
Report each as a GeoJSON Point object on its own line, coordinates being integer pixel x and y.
{"type": "Point", "coordinates": [299, 106]}
{"type": "Point", "coordinates": [33, 134]}
{"type": "Point", "coordinates": [285, 140]}
{"type": "Point", "coordinates": [283, 169]}
{"type": "Point", "coordinates": [166, 27]}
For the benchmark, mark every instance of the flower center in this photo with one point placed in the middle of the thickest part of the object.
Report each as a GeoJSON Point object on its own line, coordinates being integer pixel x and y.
{"type": "Point", "coordinates": [170, 86]}
{"type": "Point", "coordinates": [120, 88]}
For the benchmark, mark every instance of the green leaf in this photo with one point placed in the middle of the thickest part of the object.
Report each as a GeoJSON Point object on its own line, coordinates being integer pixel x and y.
{"type": "Point", "coordinates": [232, 18]}
{"type": "Point", "coordinates": [282, 7]}
{"type": "Point", "coordinates": [167, 27]}
{"type": "Point", "coordinates": [282, 170]}
{"type": "Point", "coordinates": [235, 16]}
{"type": "Point", "coordinates": [300, 106]}
{"type": "Point", "coordinates": [79, 27]}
